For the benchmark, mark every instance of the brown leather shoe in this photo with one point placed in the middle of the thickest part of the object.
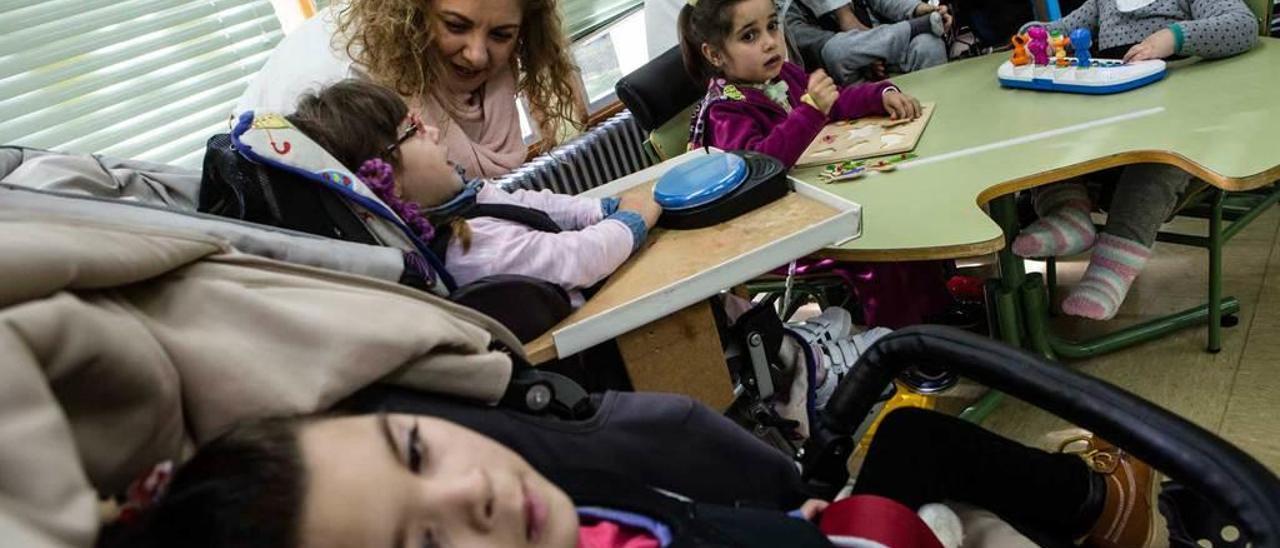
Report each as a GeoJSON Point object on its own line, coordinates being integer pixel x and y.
{"type": "Point", "coordinates": [1130, 515]}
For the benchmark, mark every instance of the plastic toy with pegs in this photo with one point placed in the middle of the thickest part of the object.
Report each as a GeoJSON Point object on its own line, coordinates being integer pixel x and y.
{"type": "Point", "coordinates": [1079, 74]}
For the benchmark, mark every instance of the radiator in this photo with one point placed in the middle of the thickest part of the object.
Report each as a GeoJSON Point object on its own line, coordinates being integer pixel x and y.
{"type": "Point", "coordinates": [608, 151]}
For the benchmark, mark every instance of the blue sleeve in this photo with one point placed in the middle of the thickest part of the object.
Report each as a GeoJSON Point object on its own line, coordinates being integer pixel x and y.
{"type": "Point", "coordinates": [609, 206]}
{"type": "Point", "coordinates": [634, 222]}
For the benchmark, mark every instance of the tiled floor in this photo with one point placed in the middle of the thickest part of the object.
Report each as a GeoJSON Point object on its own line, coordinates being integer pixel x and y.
{"type": "Point", "coordinates": [1235, 393]}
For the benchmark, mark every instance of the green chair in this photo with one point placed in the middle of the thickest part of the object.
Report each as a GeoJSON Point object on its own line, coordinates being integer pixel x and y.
{"type": "Point", "coordinates": [670, 139]}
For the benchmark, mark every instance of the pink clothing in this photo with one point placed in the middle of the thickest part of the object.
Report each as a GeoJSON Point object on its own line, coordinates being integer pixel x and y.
{"type": "Point", "coordinates": [607, 534]}
{"type": "Point", "coordinates": [741, 117]}
{"type": "Point", "coordinates": [589, 249]}
{"type": "Point", "coordinates": [482, 132]}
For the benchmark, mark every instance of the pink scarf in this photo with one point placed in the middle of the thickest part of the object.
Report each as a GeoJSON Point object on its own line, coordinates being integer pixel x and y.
{"type": "Point", "coordinates": [483, 134]}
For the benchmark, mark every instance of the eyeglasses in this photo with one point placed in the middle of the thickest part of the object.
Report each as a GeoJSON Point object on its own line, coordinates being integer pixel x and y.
{"type": "Point", "coordinates": [409, 131]}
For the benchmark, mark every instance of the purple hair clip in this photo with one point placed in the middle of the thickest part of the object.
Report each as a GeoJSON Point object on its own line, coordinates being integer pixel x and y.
{"type": "Point", "coordinates": [379, 176]}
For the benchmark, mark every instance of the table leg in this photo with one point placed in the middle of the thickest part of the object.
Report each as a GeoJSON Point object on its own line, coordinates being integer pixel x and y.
{"type": "Point", "coordinates": [681, 354]}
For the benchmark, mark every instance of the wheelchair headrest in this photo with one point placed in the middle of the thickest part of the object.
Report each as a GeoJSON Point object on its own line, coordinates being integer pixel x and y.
{"type": "Point", "coordinates": [658, 90]}
{"type": "Point", "coordinates": [269, 139]}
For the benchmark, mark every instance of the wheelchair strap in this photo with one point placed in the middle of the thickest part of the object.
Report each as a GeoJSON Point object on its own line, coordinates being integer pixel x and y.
{"type": "Point", "coordinates": [532, 218]}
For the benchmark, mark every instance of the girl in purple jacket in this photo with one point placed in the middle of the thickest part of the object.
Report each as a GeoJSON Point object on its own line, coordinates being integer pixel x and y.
{"type": "Point", "coordinates": [756, 100]}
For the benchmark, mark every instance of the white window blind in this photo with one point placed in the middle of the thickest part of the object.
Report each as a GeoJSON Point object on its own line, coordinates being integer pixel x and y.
{"type": "Point", "coordinates": [582, 17]}
{"type": "Point", "coordinates": [144, 79]}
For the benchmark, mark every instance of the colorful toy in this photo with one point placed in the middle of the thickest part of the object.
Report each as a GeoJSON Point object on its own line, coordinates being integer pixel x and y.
{"type": "Point", "coordinates": [1059, 43]}
{"type": "Point", "coordinates": [1038, 45]}
{"type": "Point", "coordinates": [850, 170]}
{"type": "Point", "coordinates": [869, 137]}
{"type": "Point", "coordinates": [1020, 56]}
{"type": "Point", "coordinates": [1081, 41]}
{"type": "Point", "coordinates": [1079, 74]}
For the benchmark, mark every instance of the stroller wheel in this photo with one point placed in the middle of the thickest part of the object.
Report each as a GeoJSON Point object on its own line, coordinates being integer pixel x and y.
{"type": "Point", "coordinates": [927, 380]}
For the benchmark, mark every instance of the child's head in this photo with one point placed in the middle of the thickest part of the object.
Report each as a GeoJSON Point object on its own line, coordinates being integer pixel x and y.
{"type": "Point", "coordinates": [357, 121]}
{"type": "Point", "coordinates": [369, 480]}
{"type": "Point", "coordinates": [740, 40]}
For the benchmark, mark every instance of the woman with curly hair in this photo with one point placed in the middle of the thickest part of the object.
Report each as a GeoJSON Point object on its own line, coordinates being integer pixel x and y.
{"type": "Point", "coordinates": [460, 64]}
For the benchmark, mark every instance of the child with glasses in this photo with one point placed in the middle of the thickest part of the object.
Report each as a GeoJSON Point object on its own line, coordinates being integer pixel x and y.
{"type": "Point", "coordinates": [370, 130]}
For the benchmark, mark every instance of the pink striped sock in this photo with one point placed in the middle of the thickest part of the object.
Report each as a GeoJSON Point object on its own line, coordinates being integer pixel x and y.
{"type": "Point", "coordinates": [1064, 227]}
{"type": "Point", "coordinates": [1115, 263]}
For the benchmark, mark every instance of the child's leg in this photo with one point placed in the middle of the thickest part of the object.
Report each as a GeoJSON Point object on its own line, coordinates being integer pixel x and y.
{"type": "Point", "coordinates": [918, 457]}
{"type": "Point", "coordinates": [847, 53]}
{"type": "Point", "coordinates": [1064, 227]}
{"type": "Point", "coordinates": [1145, 196]}
{"type": "Point", "coordinates": [924, 51]}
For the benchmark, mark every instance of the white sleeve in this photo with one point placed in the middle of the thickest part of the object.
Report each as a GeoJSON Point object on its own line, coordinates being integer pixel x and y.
{"type": "Point", "coordinates": [304, 61]}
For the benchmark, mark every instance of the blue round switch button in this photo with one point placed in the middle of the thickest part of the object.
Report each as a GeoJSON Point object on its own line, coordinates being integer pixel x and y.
{"type": "Point", "coordinates": [700, 181]}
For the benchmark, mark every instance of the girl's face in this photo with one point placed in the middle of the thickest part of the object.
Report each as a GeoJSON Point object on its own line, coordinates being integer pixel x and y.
{"type": "Point", "coordinates": [754, 50]}
{"type": "Point", "coordinates": [407, 481]}
{"type": "Point", "coordinates": [476, 38]}
{"type": "Point", "coordinates": [425, 176]}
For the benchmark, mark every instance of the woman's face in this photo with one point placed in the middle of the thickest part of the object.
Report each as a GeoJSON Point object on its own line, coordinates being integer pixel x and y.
{"type": "Point", "coordinates": [407, 481]}
{"type": "Point", "coordinates": [476, 38]}
{"type": "Point", "coordinates": [425, 176]}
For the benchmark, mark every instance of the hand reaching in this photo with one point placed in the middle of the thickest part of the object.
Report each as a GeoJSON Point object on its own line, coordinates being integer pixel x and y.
{"type": "Point", "coordinates": [1157, 46]}
{"type": "Point", "coordinates": [901, 106]}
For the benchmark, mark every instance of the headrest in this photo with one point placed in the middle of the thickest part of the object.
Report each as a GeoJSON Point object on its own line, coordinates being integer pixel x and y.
{"type": "Point", "coordinates": [658, 90]}
{"type": "Point", "coordinates": [270, 139]}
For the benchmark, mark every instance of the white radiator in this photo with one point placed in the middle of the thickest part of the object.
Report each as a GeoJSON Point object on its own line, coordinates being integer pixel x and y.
{"type": "Point", "coordinates": [608, 151]}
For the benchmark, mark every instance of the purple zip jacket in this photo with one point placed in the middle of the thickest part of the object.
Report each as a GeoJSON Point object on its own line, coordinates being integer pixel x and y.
{"type": "Point", "coordinates": [740, 117]}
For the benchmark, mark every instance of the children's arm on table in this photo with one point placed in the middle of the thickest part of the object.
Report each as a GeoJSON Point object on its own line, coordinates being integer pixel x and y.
{"type": "Point", "coordinates": [861, 100]}
{"type": "Point", "coordinates": [570, 212]}
{"type": "Point", "coordinates": [1083, 17]}
{"type": "Point", "coordinates": [734, 129]}
{"type": "Point", "coordinates": [1219, 28]}
{"type": "Point", "coordinates": [570, 259]}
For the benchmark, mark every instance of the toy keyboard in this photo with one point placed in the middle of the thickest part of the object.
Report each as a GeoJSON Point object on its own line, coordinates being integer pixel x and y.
{"type": "Point", "coordinates": [1101, 77]}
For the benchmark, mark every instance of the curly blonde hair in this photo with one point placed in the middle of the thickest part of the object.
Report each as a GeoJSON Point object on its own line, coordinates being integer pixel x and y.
{"type": "Point", "coordinates": [393, 40]}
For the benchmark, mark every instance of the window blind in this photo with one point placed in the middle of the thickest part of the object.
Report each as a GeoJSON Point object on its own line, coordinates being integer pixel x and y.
{"type": "Point", "coordinates": [582, 17]}
{"type": "Point", "coordinates": [143, 79]}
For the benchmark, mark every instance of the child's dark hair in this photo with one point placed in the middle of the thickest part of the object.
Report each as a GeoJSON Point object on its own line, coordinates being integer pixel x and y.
{"type": "Point", "coordinates": [352, 119]}
{"type": "Point", "coordinates": [243, 489]}
{"type": "Point", "coordinates": [706, 22]}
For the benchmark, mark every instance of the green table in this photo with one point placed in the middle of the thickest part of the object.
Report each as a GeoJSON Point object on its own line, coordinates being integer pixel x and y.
{"type": "Point", "coordinates": [1214, 119]}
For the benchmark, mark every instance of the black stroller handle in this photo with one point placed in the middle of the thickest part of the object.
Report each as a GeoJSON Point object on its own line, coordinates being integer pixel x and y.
{"type": "Point", "coordinates": [1197, 458]}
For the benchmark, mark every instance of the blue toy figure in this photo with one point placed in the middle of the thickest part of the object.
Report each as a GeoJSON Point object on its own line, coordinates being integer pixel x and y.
{"type": "Point", "coordinates": [1081, 40]}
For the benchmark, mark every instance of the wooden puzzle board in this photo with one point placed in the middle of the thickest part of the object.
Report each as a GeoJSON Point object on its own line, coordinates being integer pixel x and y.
{"type": "Point", "coordinates": [865, 138]}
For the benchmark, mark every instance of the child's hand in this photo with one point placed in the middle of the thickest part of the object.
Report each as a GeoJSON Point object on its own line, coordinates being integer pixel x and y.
{"type": "Point", "coordinates": [900, 105]}
{"type": "Point", "coordinates": [640, 200]}
{"type": "Point", "coordinates": [823, 91]}
{"type": "Point", "coordinates": [812, 507]}
{"type": "Point", "coordinates": [1157, 46]}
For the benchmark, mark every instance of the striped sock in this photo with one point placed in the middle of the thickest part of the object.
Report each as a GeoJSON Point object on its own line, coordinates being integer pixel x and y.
{"type": "Point", "coordinates": [1064, 227]}
{"type": "Point", "coordinates": [1112, 268]}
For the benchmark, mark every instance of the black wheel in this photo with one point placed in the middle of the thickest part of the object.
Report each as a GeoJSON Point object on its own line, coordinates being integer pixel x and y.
{"type": "Point", "coordinates": [1229, 320]}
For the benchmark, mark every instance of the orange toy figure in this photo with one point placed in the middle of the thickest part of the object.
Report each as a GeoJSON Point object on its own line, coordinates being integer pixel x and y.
{"type": "Point", "coordinates": [1020, 56]}
{"type": "Point", "coordinates": [1060, 42]}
